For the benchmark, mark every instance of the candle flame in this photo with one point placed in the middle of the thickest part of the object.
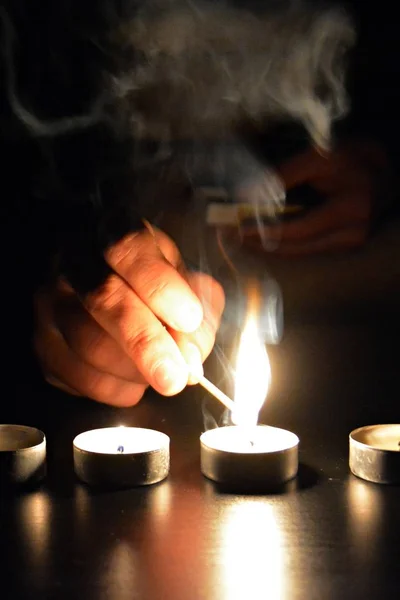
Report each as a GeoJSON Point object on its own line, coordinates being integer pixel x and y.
{"type": "Point", "coordinates": [253, 371]}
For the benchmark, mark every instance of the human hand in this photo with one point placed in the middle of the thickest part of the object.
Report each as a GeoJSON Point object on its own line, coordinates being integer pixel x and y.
{"type": "Point", "coordinates": [144, 326]}
{"type": "Point", "coordinates": [352, 182]}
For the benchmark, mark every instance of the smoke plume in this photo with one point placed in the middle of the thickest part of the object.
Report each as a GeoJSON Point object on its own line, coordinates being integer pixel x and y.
{"type": "Point", "coordinates": [119, 94]}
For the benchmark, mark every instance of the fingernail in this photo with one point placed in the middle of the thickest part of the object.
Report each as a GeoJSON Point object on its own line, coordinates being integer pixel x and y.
{"type": "Point", "coordinates": [194, 360]}
{"type": "Point", "coordinates": [170, 377]}
{"type": "Point", "coordinates": [189, 318]}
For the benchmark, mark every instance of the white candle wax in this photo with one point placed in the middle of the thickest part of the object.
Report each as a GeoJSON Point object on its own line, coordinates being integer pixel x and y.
{"type": "Point", "coordinates": [121, 440]}
{"type": "Point", "coordinates": [250, 440]}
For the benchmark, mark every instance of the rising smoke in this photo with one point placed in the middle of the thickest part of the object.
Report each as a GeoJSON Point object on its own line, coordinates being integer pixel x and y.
{"type": "Point", "coordinates": [191, 69]}
{"type": "Point", "coordinates": [158, 76]}
{"type": "Point", "coordinates": [208, 69]}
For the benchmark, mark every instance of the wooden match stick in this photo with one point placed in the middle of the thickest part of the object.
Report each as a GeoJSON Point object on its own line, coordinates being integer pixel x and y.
{"type": "Point", "coordinates": [216, 392]}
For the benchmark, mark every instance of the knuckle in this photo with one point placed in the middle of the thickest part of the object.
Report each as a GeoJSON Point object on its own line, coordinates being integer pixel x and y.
{"type": "Point", "coordinates": [168, 248]}
{"type": "Point", "coordinates": [97, 386]}
{"type": "Point", "coordinates": [154, 285]}
{"type": "Point", "coordinates": [51, 379]}
{"type": "Point", "coordinates": [63, 287]}
{"type": "Point", "coordinates": [106, 297]}
{"type": "Point", "coordinates": [142, 341]}
{"type": "Point", "coordinates": [102, 353]}
{"type": "Point", "coordinates": [91, 344]}
{"type": "Point", "coordinates": [124, 250]}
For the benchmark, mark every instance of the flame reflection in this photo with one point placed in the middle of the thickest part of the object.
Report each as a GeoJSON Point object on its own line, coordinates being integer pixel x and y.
{"type": "Point", "coordinates": [365, 517]}
{"type": "Point", "coordinates": [160, 502]}
{"type": "Point", "coordinates": [119, 573]}
{"type": "Point", "coordinates": [34, 513]}
{"type": "Point", "coordinates": [82, 506]}
{"type": "Point", "coordinates": [252, 561]}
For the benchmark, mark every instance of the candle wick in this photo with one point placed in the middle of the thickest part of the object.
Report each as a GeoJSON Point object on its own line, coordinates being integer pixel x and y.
{"type": "Point", "coordinates": [120, 449]}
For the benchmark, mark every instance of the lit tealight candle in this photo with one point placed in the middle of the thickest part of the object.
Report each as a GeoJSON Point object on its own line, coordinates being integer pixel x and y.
{"type": "Point", "coordinates": [261, 457]}
{"type": "Point", "coordinates": [121, 456]}
{"type": "Point", "coordinates": [375, 453]}
{"type": "Point", "coordinates": [22, 455]}
{"type": "Point", "coordinates": [247, 454]}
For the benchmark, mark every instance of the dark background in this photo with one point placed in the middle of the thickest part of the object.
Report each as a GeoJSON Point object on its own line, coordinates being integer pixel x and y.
{"type": "Point", "coordinates": [327, 535]}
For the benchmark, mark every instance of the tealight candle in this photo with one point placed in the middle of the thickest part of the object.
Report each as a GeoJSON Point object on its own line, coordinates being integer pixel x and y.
{"type": "Point", "coordinates": [375, 453]}
{"type": "Point", "coordinates": [22, 454]}
{"type": "Point", "coordinates": [259, 456]}
{"type": "Point", "coordinates": [121, 456]}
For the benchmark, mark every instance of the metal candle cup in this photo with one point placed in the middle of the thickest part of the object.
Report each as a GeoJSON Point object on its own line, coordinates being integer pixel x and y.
{"type": "Point", "coordinates": [374, 453]}
{"type": "Point", "coordinates": [22, 455]}
{"type": "Point", "coordinates": [260, 457]}
{"type": "Point", "coordinates": [121, 456]}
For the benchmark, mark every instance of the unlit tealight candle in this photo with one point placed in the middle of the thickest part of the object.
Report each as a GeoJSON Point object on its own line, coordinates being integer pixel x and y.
{"type": "Point", "coordinates": [22, 455]}
{"type": "Point", "coordinates": [374, 453]}
{"type": "Point", "coordinates": [121, 456]}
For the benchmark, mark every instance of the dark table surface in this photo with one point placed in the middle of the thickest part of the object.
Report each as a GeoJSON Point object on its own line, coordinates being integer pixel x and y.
{"type": "Point", "coordinates": [328, 535]}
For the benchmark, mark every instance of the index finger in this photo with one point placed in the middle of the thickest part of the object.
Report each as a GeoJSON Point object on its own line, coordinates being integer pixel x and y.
{"type": "Point", "coordinates": [120, 311]}
{"type": "Point", "coordinates": [139, 261]}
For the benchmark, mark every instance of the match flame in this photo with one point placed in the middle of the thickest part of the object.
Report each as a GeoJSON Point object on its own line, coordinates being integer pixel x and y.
{"type": "Point", "coordinates": [253, 371]}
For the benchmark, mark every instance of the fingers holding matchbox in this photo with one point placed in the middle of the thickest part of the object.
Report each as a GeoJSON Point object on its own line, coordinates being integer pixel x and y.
{"type": "Point", "coordinates": [332, 202]}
